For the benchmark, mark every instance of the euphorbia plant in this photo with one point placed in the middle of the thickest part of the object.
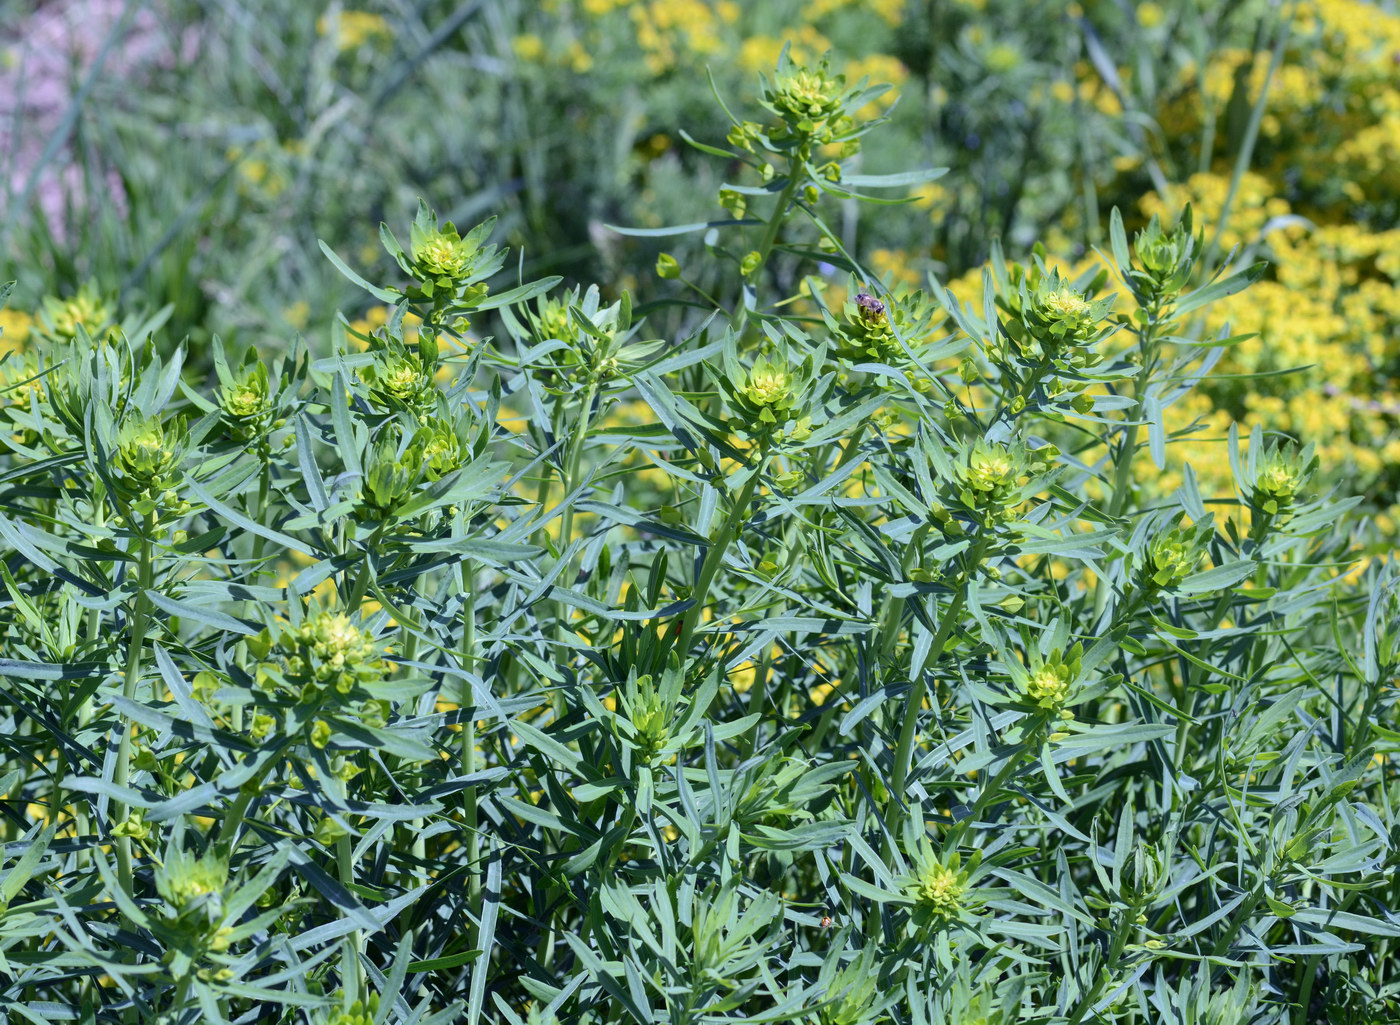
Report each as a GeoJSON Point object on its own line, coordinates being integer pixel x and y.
{"type": "Point", "coordinates": [835, 659]}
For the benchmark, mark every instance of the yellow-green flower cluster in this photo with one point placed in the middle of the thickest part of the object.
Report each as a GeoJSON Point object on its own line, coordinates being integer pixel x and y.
{"type": "Point", "coordinates": [649, 718]}
{"type": "Point", "coordinates": [360, 1012]}
{"type": "Point", "coordinates": [398, 380]}
{"type": "Point", "coordinates": [143, 454]}
{"type": "Point", "coordinates": [805, 95]}
{"type": "Point", "coordinates": [1050, 683]}
{"type": "Point", "coordinates": [1053, 321]}
{"type": "Point", "coordinates": [185, 878]}
{"type": "Point", "coordinates": [769, 385]}
{"type": "Point", "coordinates": [940, 890]}
{"type": "Point", "coordinates": [1173, 555]}
{"type": "Point", "coordinates": [60, 319]}
{"type": "Point", "coordinates": [551, 320]}
{"type": "Point", "coordinates": [328, 652]}
{"type": "Point", "coordinates": [872, 326]}
{"type": "Point", "coordinates": [146, 464]}
{"type": "Point", "coordinates": [439, 448]}
{"type": "Point", "coordinates": [442, 254]}
{"type": "Point", "coordinates": [1278, 478]}
{"type": "Point", "coordinates": [20, 380]}
{"type": "Point", "coordinates": [246, 400]}
{"type": "Point", "coordinates": [990, 480]}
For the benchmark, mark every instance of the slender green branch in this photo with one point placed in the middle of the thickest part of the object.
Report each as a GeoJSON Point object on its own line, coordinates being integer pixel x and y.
{"type": "Point", "coordinates": [904, 748]}
{"type": "Point", "coordinates": [140, 618]}
{"type": "Point", "coordinates": [714, 557]}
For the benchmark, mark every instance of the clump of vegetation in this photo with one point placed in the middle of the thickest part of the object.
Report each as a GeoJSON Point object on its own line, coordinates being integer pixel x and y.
{"type": "Point", "coordinates": [826, 660]}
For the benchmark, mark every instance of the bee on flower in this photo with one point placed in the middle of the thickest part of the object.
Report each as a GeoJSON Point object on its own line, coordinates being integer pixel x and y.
{"type": "Point", "coordinates": [877, 328]}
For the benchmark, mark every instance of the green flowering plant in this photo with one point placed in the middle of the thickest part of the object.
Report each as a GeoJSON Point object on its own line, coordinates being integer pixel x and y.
{"type": "Point", "coordinates": [726, 656]}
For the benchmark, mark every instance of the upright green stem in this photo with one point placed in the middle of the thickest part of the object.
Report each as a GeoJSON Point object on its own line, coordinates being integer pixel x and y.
{"type": "Point", "coordinates": [1105, 974]}
{"type": "Point", "coordinates": [715, 556]}
{"type": "Point", "coordinates": [140, 618]}
{"type": "Point", "coordinates": [904, 749]}
{"type": "Point", "coordinates": [575, 460]}
{"type": "Point", "coordinates": [770, 234]}
{"type": "Point", "coordinates": [350, 969]}
{"type": "Point", "coordinates": [775, 224]}
{"type": "Point", "coordinates": [1127, 448]}
{"type": "Point", "coordinates": [1123, 462]}
{"type": "Point", "coordinates": [468, 703]}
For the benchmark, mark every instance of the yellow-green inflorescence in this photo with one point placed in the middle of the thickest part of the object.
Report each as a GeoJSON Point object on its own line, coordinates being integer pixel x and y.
{"type": "Point", "coordinates": [1059, 323]}
{"type": "Point", "coordinates": [991, 479]}
{"type": "Point", "coordinates": [60, 319]}
{"type": "Point", "coordinates": [358, 1013]}
{"type": "Point", "coordinates": [438, 448]}
{"type": "Point", "coordinates": [246, 400]}
{"type": "Point", "coordinates": [442, 253]}
{"type": "Point", "coordinates": [328, 652]}
{"type": "Point", "coordinates": [877, 329]}
{"type": "Point", "coordinates": [939, 890]}
{"type": "Point", "coordinates": [769, 385]}
{"type": "Point", "coordinates": [810, 94]}
{"type": "Point", "coordinates": [185, 878]}
{"type": "Point", "coordinates": [20, 381]}
{"type": "Point", "coordinates": [649, 717]}
{"type": "Point", "coordinates": [810, 104]}
{"type": "Point", "coordinates": [146, 464]}
{"type": "Point", "coordinates": [1050, 684]}
{"type": "Point", "coordinates": [1279, 477]}
{"type": "Point", "coordinates": [1172, 556]}
{"type": "Point", "coordinates": [398, 380]}
{"type": "Point", "coordinates": [768, 399]}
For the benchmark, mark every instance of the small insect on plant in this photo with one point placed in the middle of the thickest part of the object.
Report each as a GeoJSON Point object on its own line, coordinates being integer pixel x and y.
{"type": "Point", "coordinates": [517, 661]}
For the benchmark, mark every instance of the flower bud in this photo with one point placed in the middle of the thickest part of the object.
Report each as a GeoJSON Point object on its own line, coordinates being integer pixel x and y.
{"type": "Point", "coordinates": [667, 267]}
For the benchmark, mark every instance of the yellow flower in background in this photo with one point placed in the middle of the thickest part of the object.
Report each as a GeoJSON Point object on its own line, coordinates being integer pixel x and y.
{"type": "Point", "coordinates": [15, 327]}
{"type": "Point", "coordinates": [353, 29]}
{"type": "Point", "coordinates": [1150, 15]}
{"type": "Point", "coordinates": [528, 47]}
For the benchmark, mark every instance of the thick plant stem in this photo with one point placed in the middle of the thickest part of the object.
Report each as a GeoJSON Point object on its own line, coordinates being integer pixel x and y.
{"type": "Point", "coordinates": [1123, 462]}
{"type": "Point", "coordinates": [140, 619]}
{"type": "Point", "coordinates": [775, 224]}
{"type": "Point", "coordinates": [715, 557]}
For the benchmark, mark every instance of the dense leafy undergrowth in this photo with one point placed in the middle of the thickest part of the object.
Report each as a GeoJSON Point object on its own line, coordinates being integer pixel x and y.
{"type": "Point", "coordinates": [826, 661]}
